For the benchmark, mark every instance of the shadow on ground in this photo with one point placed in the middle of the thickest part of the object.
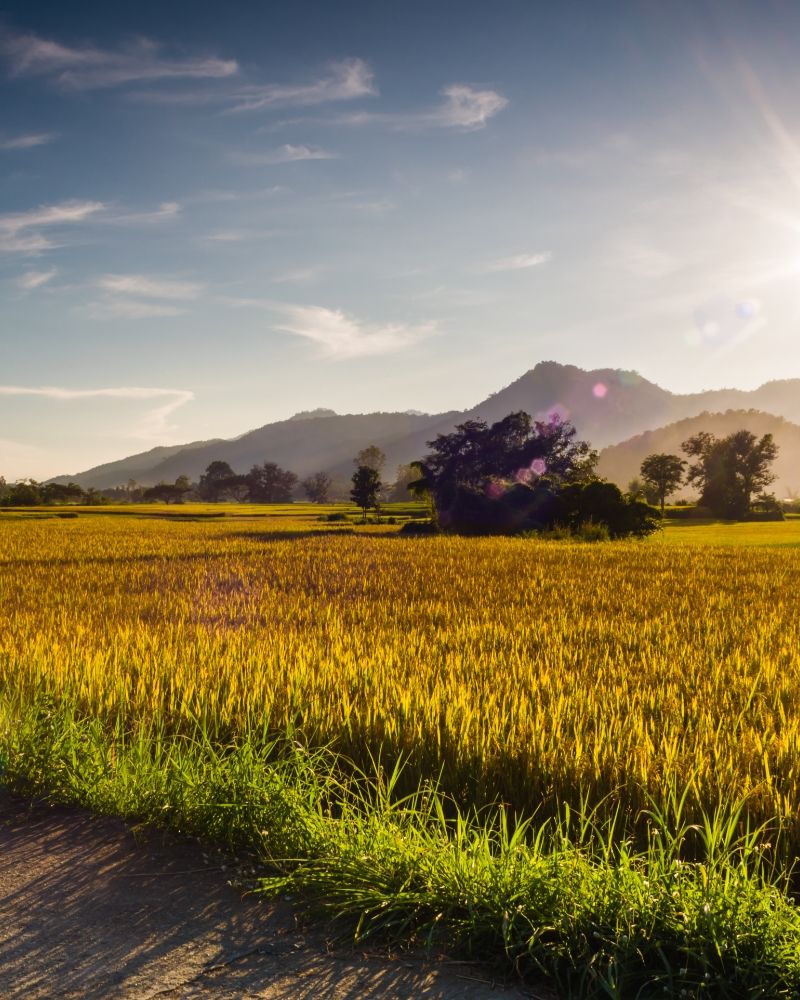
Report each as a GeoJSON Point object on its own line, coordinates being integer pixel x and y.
{"type": "Point", "coordinates": [88, 910]}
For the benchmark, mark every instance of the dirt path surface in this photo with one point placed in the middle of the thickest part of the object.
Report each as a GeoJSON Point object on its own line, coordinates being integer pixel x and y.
{"type": "Point", "coordinates": [89, 910]}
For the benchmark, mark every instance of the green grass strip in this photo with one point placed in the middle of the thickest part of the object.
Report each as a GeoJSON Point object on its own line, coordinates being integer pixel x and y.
{"type": "Point", "coordinates": [692, 910]}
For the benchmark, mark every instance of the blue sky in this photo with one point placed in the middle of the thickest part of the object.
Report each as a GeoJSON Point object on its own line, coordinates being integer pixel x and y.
{"type": "Point", "coordinates": [215, 215]}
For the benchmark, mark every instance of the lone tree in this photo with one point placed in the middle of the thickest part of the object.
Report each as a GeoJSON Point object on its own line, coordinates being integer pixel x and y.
{"type": "Point", "coordinates": [317, 487]}
{"type": "Point", "coordinates": [729, 471]}
{"type": "Point", "coordinates": [663, 474]}
{"type": "Point", "coordinates": [371, 457]}
{"type": "Point", "coordinates": [269, 483]}
{"type": "Point", "coordinates": [366, 488]}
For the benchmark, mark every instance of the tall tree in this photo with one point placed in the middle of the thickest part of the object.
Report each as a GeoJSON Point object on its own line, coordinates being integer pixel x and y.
{"type": "Point", "coordinates": [216, 482]}
{"type": "Point", "coordinates": [182, 487]}
{"type": "Point", "coordinates": [317, 487]}
{"type": "Point", "coordinates": [663, 474]}
{"type": "Point", "coordinates": [269, 483]}
{"type": "Point", "coordinates": [729, 471]}
{"type": "Point", "coordinates": [366, 488]}
{"type": "Point", "coordinates": [371, 457]}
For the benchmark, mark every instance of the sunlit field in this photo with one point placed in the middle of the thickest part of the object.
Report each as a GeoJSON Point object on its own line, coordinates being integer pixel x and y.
{"type": "Point", "coordinates": [614, 677]}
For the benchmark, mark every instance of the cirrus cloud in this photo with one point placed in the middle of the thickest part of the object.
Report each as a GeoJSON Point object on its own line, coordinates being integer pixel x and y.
{"type": "Point", "coordinates": [518, 262]}
{"type": "Point", "coordinates": [149, 287]}
{"type": "Point", "coordinates": [283, 154]}
{"type": "Point", "coordinates": [29, 141]}
{"type": "Point", "coordinates": [340, 335]}
{"type": "Point", "coordinates": [462, 108]}
{"type": "Point", "coordinates": [21, 232]}
{"type": "Point", "coordinates": [88, 67]}
{"type": "Point", "coordinates": [34, 279]}
{"type": "Point", "coordinates": [129, 309]}
{"type": "Point", "coordinates": [345, 81]}
{"type": "Point", "coordinates": [154, 421]}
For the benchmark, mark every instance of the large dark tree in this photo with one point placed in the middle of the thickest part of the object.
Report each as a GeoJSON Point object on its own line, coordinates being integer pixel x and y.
{"type": "Point", "coordinates": [269, 483]}
{"type": "Point", "coordinates": [477, 457]}
{"type": "Point", "coordinates": [521, 474]}
{"type": "Point", "coordinates": [663, 474]}
{"type": "Point", "coordinates": [729, 471]}
{"type": "Point", "coordinates": [168, 492]}
{"type": "Point", "coordinates": [60, 493]}
{"type": "Point", "coordinates": [218, 482]}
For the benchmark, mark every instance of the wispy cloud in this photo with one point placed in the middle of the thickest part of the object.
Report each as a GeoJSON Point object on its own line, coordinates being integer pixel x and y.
{"type": "Point", "coordinates": [231, 236]}
{"type": "Point", "coordinates": [283, 154]}
{"type": "Point", "coordinates": [636, 253]}
{"type": "Point", "coordinates": [462, 107]}
{"type": "Point", "coordinates": [295, 277]}
{"type": "Point", "coordinates": [148, 287]}
{"type": "Point", "coordinates": [88, 67]}
{"type": "Point", "coordinates": [29, 141]}
{"type": "Point", "coordinates": [345, 81]}
{"type": "Point", "coordinates": [518, 262]}
{"type": "Point", "coordinates": [129, 309]}
{"type": "Point", "coordinates": [21, 232]}
{"type": "Point", "coordinates": [342, 336]}
{"type": "Point", "coordinates": [166, 211]}
{"type": "Point", "coordinates": [154, 422]}
{"type": "Point", "coordinates": [34, 279]}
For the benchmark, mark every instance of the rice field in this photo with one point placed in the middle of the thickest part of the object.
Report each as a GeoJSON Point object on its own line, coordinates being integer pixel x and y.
{"type": "Point", "coordinates": [553, 677]}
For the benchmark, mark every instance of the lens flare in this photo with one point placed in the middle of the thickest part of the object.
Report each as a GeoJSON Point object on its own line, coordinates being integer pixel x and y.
{"type": "Point", "coordinates": [600, 390]}
{"type": "Point", "coordinates": [556, 414]}
{"type": "Point", "coordinates": [723, 322]}
{"type": "Point", "coordinates": [495, 489]}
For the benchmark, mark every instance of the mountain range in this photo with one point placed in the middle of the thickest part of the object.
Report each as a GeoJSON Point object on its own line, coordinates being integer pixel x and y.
{"type": "Point", "coordinates": [609, 408]}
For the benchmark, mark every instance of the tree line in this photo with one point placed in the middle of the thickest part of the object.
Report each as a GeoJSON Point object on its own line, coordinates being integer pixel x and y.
{"type": "Point", "coordinates": [264, 484]}
{"type": "Point", "coordinates": [731, 474]}
{"type": "Point", "coordinates": [514, 475]}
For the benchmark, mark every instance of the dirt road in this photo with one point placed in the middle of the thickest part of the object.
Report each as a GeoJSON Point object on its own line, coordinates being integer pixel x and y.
{"type": "Point", "coordinates": [89, 910]}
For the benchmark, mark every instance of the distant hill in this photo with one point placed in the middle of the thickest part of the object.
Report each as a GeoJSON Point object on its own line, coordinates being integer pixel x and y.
{"type": "Point", "coordinates": [606, 405]}
{"type": "Point", "coordinates": [138, 467]}
{"type": "Point", "coordinates": [621, 462]}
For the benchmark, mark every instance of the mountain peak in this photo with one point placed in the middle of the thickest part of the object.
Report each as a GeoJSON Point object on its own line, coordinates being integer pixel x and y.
{"type": "Point", "coordinates": [318, 414]}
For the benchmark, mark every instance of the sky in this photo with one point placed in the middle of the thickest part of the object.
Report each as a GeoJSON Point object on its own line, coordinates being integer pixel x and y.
{"type": "Point", "coordinates": [213, 215]}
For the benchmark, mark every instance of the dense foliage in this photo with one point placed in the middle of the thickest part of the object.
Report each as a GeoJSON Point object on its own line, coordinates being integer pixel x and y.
{"type": "Point", "coordinates": [520, 474]}
{"type": "Point", "coordinates": [729, 471]}
{"type": "Point", "coordinates": [29, 493]}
